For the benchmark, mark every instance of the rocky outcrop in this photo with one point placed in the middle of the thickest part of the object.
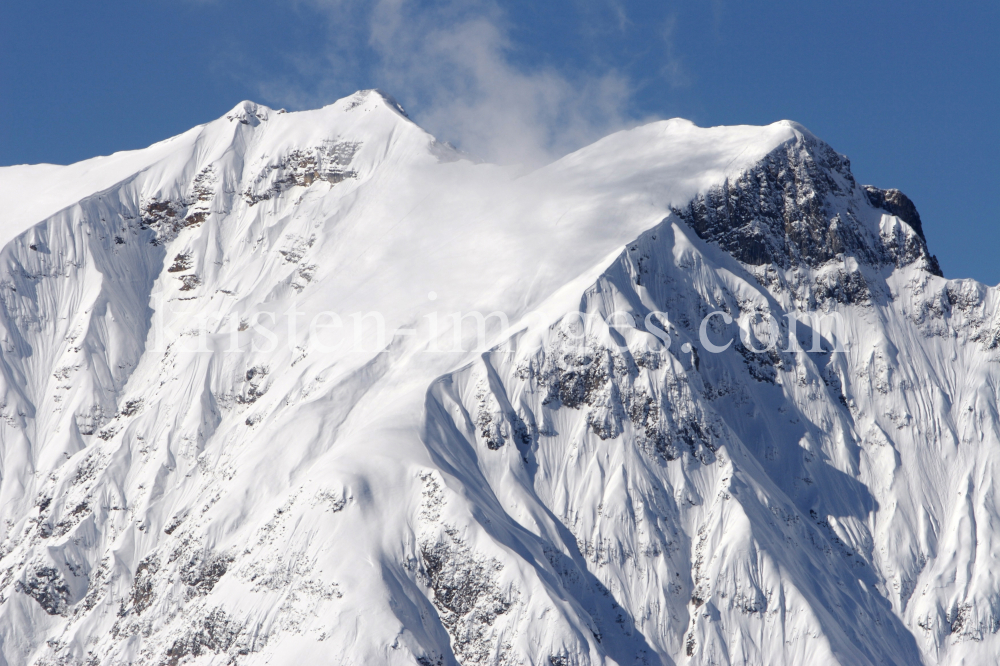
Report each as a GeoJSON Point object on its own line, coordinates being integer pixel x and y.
{"type": "Point", "coordinates": [895, 203]}
{"type": "Point", "coordinates": [800, 206]}
{"type": "Point", "coordinates": [329, 162]}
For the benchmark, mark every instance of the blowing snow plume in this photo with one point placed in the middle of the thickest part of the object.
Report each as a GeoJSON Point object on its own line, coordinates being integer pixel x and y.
{"type": "Point", "coordinates": [452, 63]}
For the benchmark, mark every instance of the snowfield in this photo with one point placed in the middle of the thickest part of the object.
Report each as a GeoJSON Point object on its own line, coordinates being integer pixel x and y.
{"type": "Point", "coordinates": [250, 415]}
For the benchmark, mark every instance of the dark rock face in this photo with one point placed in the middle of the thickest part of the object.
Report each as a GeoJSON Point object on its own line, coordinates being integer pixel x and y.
{"type": "Point", "coordinates": [330, 162]}
{"type": "Point", "coordinates": [468, 598]}
{"type": "Point", "coordinates": [778, 211]}
{"type": "Point", "coordinates": [142, 594]}
{"type": "Point", "coordinates": [606, 384]}
{"type": "Point", "coordinates": [895, 203]}
{"type": "Point", "coordinates": [214, 634]}
{"type": "Point", "coordinates": [203, 571]}
{"type": "Point", "coordinates": [799, 207]}
{"type": "Point", "coordinates": [46, 586]}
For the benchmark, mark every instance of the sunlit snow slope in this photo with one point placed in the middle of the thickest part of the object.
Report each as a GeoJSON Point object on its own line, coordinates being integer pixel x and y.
{"type": "Point", "coordinates": [239, 425]}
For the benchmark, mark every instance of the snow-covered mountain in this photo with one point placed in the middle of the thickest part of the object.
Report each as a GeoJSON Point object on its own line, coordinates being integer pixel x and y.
{"type": "Point", "coordinates": [315, 388]}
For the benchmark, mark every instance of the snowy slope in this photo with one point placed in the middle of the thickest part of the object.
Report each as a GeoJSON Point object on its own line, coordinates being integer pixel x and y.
{"type": "Point", "coordinates": [214, 451]}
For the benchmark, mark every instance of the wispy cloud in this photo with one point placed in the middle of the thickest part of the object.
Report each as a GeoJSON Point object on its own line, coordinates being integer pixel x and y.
{"type": "Point", "coordinates": [673, 70]}
{"type": "Point", "coordinates": [452, 63]}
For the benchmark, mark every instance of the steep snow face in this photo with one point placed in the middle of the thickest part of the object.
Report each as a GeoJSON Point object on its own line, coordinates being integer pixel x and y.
{"type": "Point", "coordinates": [242, 425]}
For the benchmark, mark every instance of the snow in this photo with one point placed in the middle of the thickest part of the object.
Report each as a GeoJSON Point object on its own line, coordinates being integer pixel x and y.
{"type": "Point", "coordinates": [170, 497]}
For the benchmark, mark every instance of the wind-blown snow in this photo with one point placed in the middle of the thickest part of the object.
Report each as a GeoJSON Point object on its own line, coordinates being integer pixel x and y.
{"type": "Point", "coordinates": [169, 498]}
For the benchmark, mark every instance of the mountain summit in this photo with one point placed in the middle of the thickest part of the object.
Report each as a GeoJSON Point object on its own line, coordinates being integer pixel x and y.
{"type": "Point", "coordinates": [311, 387]}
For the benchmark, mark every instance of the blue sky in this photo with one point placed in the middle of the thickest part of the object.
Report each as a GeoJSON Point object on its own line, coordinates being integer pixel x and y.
{"type": "Point", "coordinates": [910, 91]}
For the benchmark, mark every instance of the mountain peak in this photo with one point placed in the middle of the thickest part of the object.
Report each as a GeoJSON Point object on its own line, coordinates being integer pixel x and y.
{"type": "Point", "coordinates": [249, 113]}
{"type": "Point", "coordinates": [371, 98]}
{"type": "Point", "coordinates": [797, 127]}
{"type": "Point", "coordinates": [801, 206]}
{"type": "Point", "coordinates": [389, 100]}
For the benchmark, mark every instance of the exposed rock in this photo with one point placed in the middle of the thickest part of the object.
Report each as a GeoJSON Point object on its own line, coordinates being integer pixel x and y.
{"type": "Point", "coordinates": [182, 262]}
{"type": "Point", "coordinates": [329, 162]}
{"type": "Point", "coordinates": [783, 211]}
{"type": "Point", "coordinates": [896, 203]}
{"type": "Point", "coordinates": [467, 597]}
{"type": "Point", "coordinates": [47, 586]}
{"type": "Point", "coordinates": [203, 571]}
{"type": "Point", "coordinates": [141, 595]}
{"type": "Point", "coordinates": [215, 633]}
